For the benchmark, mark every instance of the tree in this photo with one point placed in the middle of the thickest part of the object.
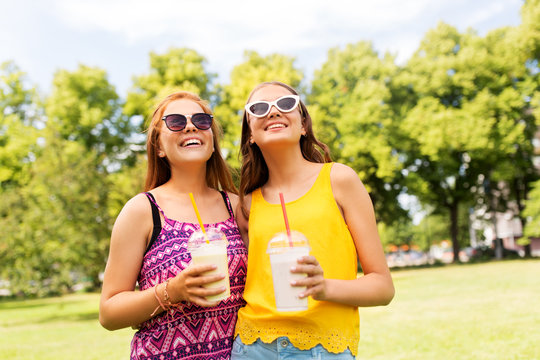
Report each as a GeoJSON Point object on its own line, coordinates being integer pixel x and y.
{"type": "Point", "coordinates": [84, 107]}
{"type": "Point", "coordinates": [19, 117]}
{"type": "Point", "coordinates": [526, 41]}
{"type": "Point", "coordinates": [233, 96]}
{"type": "Point", "coordinates": [462, 121]}
{"type": "Point", "coordinates": [351, 101]}
{"type": "Point", "coordinates": [57, 227]}
{"type": "Point", "coordinates": [532, 212]}
{"type": "Point", "coordinates": [178, 69]}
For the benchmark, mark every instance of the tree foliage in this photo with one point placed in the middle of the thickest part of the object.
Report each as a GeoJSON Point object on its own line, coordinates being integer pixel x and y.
{"type": "Point", "coordinates": [84, 107]}
{"type": "Point", "coordinates": [177, 69]}
{"type": "Point", "coordinates": [464, 121]}
{"type": "Point", "coordinates": [18, 121]}
{"type": "Point", "coordinates": [453, 127]}
{"type": "Point", "coordinates": [532, 212]}
{"type": "Point", "coordinates": [351, 102]}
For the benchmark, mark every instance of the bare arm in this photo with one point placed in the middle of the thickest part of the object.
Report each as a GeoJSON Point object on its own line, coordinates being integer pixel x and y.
{"type": "Point", "coordinates": [120, 305]}
{"type": "Point", "coordinates": [376, 286]}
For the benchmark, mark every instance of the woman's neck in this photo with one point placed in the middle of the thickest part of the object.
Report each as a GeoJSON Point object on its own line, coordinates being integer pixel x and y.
{"type": "Point", "coordinates": [284, 166]}
{"type": "Point", "coordinates": [188, 179]}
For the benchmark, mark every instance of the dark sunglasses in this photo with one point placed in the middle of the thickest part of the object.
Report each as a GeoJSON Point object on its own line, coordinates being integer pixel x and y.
{"type": "Point", "coordinates": [284, 104]}
{"type": "Point", "coordinates": [178, 122]}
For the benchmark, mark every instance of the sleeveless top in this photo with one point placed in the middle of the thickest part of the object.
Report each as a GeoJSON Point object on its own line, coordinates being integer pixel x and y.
{"type": "Point", "coordinates": [208, 332]}
{"type": "Point", "coordinates": [316, 215]}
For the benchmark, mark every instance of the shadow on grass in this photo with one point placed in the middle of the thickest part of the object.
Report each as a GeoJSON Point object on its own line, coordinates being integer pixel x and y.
{"type": "Point", "coordinates": [55, 318]}
{"type": "Point", "coordinates": [90, 316]}
{"type": "Point", "coordinates": [18, 304]}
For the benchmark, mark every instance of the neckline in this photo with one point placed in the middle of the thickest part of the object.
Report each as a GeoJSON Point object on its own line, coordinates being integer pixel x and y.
{"type": "Point", "coordinates": [172, 221]}
{"type": "Point", "coordinates": [324, 165]}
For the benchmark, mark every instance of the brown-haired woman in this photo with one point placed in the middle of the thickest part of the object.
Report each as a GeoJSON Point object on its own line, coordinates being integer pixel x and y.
{"type": "Point", "coordinates": [148, 242]}
{"type": "Point", "coordinates": [326, 202]}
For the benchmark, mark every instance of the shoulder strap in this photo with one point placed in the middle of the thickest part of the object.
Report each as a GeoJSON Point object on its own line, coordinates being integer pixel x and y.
{"type": "Point", "coordinates": [156, 219]}
{"type": "Point", "coordinates": [227, 202]}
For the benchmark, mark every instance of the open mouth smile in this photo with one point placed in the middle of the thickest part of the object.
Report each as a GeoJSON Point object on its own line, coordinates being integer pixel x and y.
{"type": "Point", "coordinates": [275, 126]}
{"type": "Point", "coordinates": [191, 142]}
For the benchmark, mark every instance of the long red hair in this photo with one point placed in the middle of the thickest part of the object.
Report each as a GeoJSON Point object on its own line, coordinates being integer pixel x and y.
{"type": "Point", "coordinates": [218, 173]}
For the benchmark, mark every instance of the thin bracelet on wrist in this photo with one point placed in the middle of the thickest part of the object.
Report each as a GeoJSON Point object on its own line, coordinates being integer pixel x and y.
{"type": "Point", "coordinates": [159, 302]}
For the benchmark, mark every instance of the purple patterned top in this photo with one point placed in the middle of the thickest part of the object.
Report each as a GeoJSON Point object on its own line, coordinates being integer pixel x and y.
{"type": "Point", "coordinates": [208, 333]}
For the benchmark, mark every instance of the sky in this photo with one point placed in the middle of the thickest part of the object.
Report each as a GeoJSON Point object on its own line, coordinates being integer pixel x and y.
{"type": "Point", "coordinates": [44, 36]}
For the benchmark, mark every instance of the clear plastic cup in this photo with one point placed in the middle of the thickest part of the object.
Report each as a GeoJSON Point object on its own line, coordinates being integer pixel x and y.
{"type": "Point", "coordinates": [283, 256]}
{"type": "Point", "coordinates": [212, 252]}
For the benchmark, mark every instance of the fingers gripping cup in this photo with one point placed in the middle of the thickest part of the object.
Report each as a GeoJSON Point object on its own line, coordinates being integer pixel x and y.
{"type": "Point", "coordinates": [284, 252]}
{"type": "Point", "coordinates": [211, 249]}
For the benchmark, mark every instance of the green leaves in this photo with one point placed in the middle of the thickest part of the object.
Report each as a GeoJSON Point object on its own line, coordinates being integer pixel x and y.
{"type": "Point", "coordinates": [453, 127]}
{"type": "Point", "coordinates": [532, 212]}
{"type": "Point", "coordinates": [178, 69]}
{"type": "Point", "coordinates": [352, 97]}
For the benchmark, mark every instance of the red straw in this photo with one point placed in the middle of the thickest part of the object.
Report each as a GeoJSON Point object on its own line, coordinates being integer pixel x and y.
{"type": "Point", "coordinates": [285, 218]}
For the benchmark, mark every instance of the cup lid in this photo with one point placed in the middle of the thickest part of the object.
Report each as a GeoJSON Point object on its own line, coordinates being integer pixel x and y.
{"type": "Point", "coordinates": [198, 238]}
{"type": "Point", "coordinates": [281, 241]}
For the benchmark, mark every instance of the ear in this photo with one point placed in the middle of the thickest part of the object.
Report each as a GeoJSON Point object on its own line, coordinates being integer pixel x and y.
{"type": "Point", "coordinates": [251, 141]}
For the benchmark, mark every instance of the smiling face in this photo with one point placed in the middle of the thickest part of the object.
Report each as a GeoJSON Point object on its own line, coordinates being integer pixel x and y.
{"type": "Point", "coordinates": [276, 126]}
{"type": "Point", "coordinates": [189, 144]}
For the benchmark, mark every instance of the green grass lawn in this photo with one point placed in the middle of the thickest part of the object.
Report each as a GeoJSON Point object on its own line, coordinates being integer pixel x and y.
{"type": "Point", "coordinates": [477, 311]}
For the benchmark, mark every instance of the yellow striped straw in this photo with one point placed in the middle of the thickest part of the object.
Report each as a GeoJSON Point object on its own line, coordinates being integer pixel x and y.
{"type": "Point", "coordinates": [198, 216]}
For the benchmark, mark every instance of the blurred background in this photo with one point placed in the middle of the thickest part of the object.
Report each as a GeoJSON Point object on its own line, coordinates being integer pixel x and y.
{"type": "Point", "coordinates": [439, 118]}
{"type": "Point", "coordinates": [435, 104]}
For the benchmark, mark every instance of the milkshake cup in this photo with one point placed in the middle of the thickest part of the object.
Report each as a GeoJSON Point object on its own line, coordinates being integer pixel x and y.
{"type": "Point", "coordinates": [211, 249]}
{"type": "Point", "coordinates": [284, 252]}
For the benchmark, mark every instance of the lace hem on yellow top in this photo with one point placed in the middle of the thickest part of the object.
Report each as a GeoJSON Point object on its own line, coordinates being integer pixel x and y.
{"type": "Point", "coordinates": [334, 340]}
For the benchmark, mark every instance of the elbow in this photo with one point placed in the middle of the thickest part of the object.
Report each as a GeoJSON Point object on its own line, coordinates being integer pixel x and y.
{"type": "Point", "coordinates": [103, 321]}
{"type": "Point", "coordinates": [107, 322]}
{"type": "Point", "coordinates": [388, 295]}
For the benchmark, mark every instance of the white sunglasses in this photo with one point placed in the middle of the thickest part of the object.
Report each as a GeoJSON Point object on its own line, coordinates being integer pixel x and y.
{"type": "Point", "coordinates": [284, 104]}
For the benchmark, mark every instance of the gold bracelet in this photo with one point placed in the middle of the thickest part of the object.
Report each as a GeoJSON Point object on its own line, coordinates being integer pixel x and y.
{"type": "Point", "coordinates": [166, 298]}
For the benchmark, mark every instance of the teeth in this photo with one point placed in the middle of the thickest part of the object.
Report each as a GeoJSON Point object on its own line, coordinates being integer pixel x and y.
{"type": "Point", "coordinates": [275, 126]}
{"type": "Point", "coordinates": [191, 142]}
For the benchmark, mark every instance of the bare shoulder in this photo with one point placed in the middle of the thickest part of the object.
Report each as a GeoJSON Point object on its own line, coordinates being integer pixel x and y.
{"type": "Point", "coordinates": [135, 213]}
{"type": "Point", "coordinates": [347, 187]}
{"type": "Point", "coordinates": [138, 205]}
{"type": "Point", "coordinates": [342, 175]}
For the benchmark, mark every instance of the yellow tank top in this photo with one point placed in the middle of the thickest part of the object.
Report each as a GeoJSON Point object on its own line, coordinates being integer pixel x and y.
{"type": "Point", "coordinates": [316, 215]}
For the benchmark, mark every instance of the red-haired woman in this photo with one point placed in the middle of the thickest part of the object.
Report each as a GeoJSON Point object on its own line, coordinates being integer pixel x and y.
{"type": "Point", "coordinates": [148, 242]}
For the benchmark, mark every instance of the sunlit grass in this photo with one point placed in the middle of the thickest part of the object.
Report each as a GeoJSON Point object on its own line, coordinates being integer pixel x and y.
{"type": "Point", "coordinates": [477, 311]}
{"type": "Point", "coordinates": [59, 328]}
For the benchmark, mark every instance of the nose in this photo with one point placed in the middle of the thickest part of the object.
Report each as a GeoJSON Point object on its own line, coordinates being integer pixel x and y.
{"type": "Point", "coordinates": [274, 112]}
{"type": "Point", "coordinates": [189, 125]}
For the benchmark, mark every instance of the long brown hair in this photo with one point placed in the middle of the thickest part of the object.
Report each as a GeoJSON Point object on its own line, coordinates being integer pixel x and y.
{"type": "Point", "coordinates": [254, 171]}
{"type": "Point", "coordinates": [218, 174]}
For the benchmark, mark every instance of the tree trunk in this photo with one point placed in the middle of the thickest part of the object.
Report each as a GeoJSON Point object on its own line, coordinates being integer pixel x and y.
{"type": "Point", "coordinates": [518, 195]}
{"type": "Point", "coordinates": [454, 229]}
